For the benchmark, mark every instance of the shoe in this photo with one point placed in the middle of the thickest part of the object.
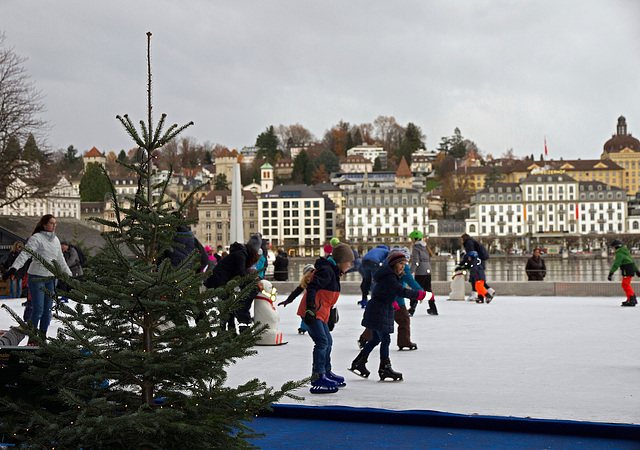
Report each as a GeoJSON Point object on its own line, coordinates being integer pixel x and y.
{"type": "Point", "coordinates": [323, 385]}
{"type": "Point", "coordinates": [337, 378]}
{"type": "Point", "coordinates": [410, 346]}
{"type": "Point", "coordinates": [358, 366]}
{"type": "Point", "coordinates": [386, 371]}
{"type": "Point", "coordinates": [361, 342]}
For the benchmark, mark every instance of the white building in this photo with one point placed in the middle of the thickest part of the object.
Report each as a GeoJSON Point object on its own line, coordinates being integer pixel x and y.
{"type": "Point", "coordinates": [371, 152]}
{"type": "Point", "coordinates": [62, 200]}
{"type": "Point", "coordinates": [384, 215]}
{"type": "Point", "coordinates": [549, 204]}
{"type": "Point", "coordinates": [293, 217]}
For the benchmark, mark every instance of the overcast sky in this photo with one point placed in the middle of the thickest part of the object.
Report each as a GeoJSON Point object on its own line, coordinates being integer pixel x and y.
{"type": "Point", "coordinates": [507, 73]}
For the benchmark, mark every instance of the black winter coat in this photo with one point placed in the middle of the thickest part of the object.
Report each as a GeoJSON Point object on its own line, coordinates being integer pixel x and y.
{"type": "Point", "coordinates": [235, 264]}
{"type": "Point", "coordinates": [536, 269]}
{"type": "Point", "coordinates": [281, 267]}
{"type": "Point", "coordinates": [379, 312]}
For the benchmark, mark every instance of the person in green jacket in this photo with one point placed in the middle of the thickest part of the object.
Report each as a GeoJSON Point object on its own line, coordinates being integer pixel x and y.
{"type": "Point", "coordinates": [628, 267]}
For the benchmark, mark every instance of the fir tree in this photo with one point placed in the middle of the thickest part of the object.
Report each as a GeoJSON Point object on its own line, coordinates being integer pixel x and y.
{"type": "Point", "coordinates": [131, 367]}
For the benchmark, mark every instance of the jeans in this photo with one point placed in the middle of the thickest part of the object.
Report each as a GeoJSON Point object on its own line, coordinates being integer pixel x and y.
{"type": "Point", "coordinates": [42, 303]}
{"type": "Point", "coordinates": [367, 269]}
{"type": "Point", "coordinates": [15, 287]}
{"type": "Point", "coordinates": [378, 337]}
{"type": "Point", "coordinates": [323, 342]}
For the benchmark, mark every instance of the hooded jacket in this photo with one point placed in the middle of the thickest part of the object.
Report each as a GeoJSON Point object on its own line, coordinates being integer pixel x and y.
{"type": "Point", "coordinates": [235, 264]}
{"type": "Point", "coordinates": [379, 312]}
{"type": "Point", "coordinates": [378, 254]}
{"type": "Point", "coordinates": [47, 246]}
{"type": "Point", "coordinates": [323, 289]}
{"type": "Point", "coordinates": [625, 262]}
{"type": "Point", "coordinates": [420, 259]}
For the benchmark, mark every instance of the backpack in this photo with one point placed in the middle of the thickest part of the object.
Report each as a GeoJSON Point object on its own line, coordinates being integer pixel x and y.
{"type": "Point", "coordinates": [482, 252]}
{"type": "Point", "coordinates": [81, 256]}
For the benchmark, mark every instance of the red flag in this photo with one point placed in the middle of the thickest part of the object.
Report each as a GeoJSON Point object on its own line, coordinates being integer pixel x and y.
{"type": "Point", "coordinates": [545, 146]}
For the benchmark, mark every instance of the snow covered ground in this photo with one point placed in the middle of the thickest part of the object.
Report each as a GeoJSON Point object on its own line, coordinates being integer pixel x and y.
{"type": "Point", "coordinates": [547, 358]}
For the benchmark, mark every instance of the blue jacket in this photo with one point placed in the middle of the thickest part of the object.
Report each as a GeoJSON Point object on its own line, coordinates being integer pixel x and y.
{"type": "Point", "coordinates": [379, 312]}
{"type": "Point", "coordinates": [378, 254]}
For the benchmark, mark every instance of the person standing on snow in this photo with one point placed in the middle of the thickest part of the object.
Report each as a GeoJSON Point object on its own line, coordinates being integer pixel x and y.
{"type": "Point", "coordinates": [628, 267]}
{"type": "Point", "coordinates": [370, 264]}
{"type": "Point", "coordinates": [322, 293]}
{"type": "Point", "coordinates": [379, 315]}
{"type": "Point", "coordinates": [420, 264]}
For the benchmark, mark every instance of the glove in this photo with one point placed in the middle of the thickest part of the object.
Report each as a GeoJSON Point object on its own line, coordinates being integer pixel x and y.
{"type": "Point", "coordinates": [9, 273]}
{"type": "Point", "coordinates": [309, 318]}
{"type": "Point", "coordinates": [610, 276]}
{"type": "Point", "coordinates": [395, 306]}
{"type": "Point", "coordinates": [284, 303]}
{"type": "Point", "coordinates": [421, 295]}
{"type": "Point", "coordinates": [638, 273]}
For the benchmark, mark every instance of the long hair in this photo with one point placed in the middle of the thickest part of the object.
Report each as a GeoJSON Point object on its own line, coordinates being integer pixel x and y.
{"type": "Point", "coordinates": [41, 223]}
{"type": "Point", "coordinates": [17, 246]}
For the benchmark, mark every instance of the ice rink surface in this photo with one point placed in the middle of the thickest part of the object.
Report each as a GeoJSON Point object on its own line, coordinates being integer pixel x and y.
{"type": "Point", "coordinates": [540, 357]}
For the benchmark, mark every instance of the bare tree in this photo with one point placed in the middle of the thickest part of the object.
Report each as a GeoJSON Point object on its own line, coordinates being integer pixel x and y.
{"type": "Point", "coordinates": [20, 107]}
{"type": "Point", "coordinates": [293, 135]}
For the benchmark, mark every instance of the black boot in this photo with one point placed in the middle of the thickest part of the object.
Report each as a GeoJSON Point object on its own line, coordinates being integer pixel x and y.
{"type": "Point", "coordinates": [358, 365]}
{"type": "Point", "coordinates": [361, 342]}
{"type": "Point", "coordinates": [412, 308]}
{"type": "Point", "coordinates": [432, 308]}
{"type": "Point", "coordinates": [480, 299]}
{"type": "Point", "coordinates": [631, 301]}
{"type": "Point", "coordinates": [386, 371]}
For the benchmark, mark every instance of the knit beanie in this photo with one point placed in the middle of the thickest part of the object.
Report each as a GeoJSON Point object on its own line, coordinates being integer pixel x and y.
{"type": "Point", "coordinates": [307, 268]}
{"type": "Point", "coordinates": [342, 253]}
{"type": "Point", "coordinates": [254, 243]}
{"type": "Point", "coordinates": [395, 256]}
{"type": "Point", "coordinates": [334, 241]}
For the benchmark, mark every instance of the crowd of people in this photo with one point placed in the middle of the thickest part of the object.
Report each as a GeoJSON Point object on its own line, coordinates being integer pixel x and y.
{"type": "Point", "coordinates": [390, 276]}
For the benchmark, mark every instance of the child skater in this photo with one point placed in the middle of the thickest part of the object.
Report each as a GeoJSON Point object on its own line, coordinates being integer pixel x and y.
{"type": "Point", "coordinates": [477, 276]}
{"type": "Point", "coordinates": [628, 268]}
{"type": "Point", "coordinates": [420, 262]}
{"type": "Point", "coordinates": [322, 293]}
{"type": "Point", "coordinates": [379, 314]}
{"type": "Point", "coordinates": [307, 271]}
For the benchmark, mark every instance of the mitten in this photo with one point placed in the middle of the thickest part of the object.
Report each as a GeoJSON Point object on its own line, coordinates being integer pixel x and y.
{"type": "Point", "coordinates": [309, 318]}
{"type": "Point", "coordinates": [422, 295]}
{"type": "Point", "coordinates": [9, 273]}
{"type": "Point", "coordinates": [395, 306]}
{"type": "Point", "coordinates": [610, 276]}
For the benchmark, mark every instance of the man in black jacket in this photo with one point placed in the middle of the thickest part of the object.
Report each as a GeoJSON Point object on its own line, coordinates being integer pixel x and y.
{"type": "Point", "coordinates": [236, 264]}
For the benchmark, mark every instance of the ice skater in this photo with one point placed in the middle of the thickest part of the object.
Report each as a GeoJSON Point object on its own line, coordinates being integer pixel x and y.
{"type": "Point", "coordinates": [307, 271]}
{"type": "Point", "coordinates": [322, 293]}
{"type": "Point", "coordinates": [628, 267]}
{"type": "Point", "coordinates": [371, 262]}
{"type": "Point", "coordinates": [420, 263]}
{"type": "Point", "coordinates": [477, 277]}
{"type": "Point", "coordinates": [379, 315]}
{"type": "Point", "coordinates": [470, 245]}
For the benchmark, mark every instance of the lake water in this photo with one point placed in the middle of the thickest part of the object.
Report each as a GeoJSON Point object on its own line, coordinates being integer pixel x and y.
{"type": "Point", "coordinates": [501, 269]}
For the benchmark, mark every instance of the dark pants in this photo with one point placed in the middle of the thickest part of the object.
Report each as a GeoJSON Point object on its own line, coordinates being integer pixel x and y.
{"type": "Point", "coordinates": [401, 317]}
{"type": "Point", "coordinates": [425, 283]}
{"type": "Point", "coordinates": [378, 337]}
{"type": "Point", "coordinates": [367, 269]}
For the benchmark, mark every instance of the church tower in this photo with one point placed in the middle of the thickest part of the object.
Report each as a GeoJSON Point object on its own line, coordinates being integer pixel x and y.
{"type": "Point", "coordinates": [266, 178]}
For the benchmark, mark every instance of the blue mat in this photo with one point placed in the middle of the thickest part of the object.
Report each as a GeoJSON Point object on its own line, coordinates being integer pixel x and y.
{"type": "Point", "coordinates": [291, 426]}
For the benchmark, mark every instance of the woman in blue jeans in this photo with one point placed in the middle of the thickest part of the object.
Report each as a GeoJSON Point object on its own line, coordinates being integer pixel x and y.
{"type": "Point", "coordinates": [45, 243]}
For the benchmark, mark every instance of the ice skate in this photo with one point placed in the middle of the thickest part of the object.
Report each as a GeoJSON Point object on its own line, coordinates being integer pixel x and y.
{"type": "Point", "coordinates": [631, 301]}
{"type": "Point", "coordinates": [410, 346]}
{"type": "Point", "coordinates": [433, 310]}
{"type": "Point", "coordinates": [473, 296]}
{"type": "Point", "coordinates": [488, 298]}
{"type": "Point", "coordinates": [323, 385]}
{"type": "Point", "coordinates": [361, 342]}
{"type": "Point", "coordinates": [480, 299]}
{"type": "Point", "coordinates": [337, 378]}
{"type": "Point", "coordinates": [491, 291]}
{"type": "Point", "coordinates": [358, 365]}
{"type": "Point", "coordinates": [386, 371]}
{"type": "Point", "coordinates": [301, 331]}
